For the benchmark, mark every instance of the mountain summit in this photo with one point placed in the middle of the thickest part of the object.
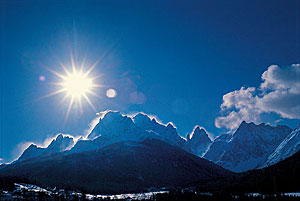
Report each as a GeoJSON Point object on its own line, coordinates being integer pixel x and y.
{"type": "Point", "coordinates": [198, 141]}
{"type": "Point", "coordinates": [115, 127]}
{"type": "Point", "coordinates": [59, 144]}
{"type": "Point", "coordinates": [249, 147]}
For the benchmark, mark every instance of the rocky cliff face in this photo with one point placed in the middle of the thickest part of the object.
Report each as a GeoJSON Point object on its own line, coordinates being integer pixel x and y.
{"type": "Point", "coordinates": [249, 146]}
{"type": "Point", "coordinates": [59, 144]}
{"type": "Point", "coordinates": [198, 141]}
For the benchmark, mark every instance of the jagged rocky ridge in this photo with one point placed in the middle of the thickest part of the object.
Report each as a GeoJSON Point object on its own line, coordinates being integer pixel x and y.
{"type": "Point", "coordinates": [115, 127]}
{"type": "Point", "coordinates": [250, 147]}
{"type": "Point", "coordinates": [198, 141]}
{"type": "Point", "coordinates": [59, 144]}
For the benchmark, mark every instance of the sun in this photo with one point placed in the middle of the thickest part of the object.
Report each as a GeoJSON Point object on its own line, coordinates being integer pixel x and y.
{"type": "Point", "coordinates": [77, 85]}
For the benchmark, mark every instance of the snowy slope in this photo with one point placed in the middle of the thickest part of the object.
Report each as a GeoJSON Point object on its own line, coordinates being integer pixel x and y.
{"type": "Point", "coordinates": [250, 146]}
{"type": "Point", "coordinates": [167, 133]}
{"type": "Point", "coordinates": [217, 149]}
{"type": "Point", "coordinates": [115, 127]}
{"type": "Point", "coordinates": [289, 146]}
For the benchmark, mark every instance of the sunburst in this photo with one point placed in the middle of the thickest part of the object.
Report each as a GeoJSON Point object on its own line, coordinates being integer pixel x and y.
{"type": "Point", "coordinates": [77, 84]}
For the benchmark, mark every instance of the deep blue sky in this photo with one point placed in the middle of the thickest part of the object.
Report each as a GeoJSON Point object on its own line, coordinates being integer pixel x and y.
{"type": "Point", "coordinates": [182, 55]}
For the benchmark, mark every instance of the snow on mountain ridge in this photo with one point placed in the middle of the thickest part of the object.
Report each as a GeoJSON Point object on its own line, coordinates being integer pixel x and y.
{"type": "Point", "coordinates": [198, 141]}
{"type": "Point", "coordinates": [289, 146]}
{"type": "Point", "coordinates": [217, 148]}
{"type": "Point", "coordinates": [32, 151]}
{"type": "Point", "coordinates": [114, 126]}
{"type": "Point", "coordinates": [61, 142]}
{"type": "Point", "coordinates": [249, 146]}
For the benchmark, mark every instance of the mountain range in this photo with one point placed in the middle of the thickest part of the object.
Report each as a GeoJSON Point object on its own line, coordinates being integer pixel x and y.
{"type": "Point", "coordinates": [138, 152]}
{"type": "Point", "coordinates": [126, 166]}
{"type": "Point", "coordinates": [59, 144]}
{"type": "Point", "coordinates": [249, 147]}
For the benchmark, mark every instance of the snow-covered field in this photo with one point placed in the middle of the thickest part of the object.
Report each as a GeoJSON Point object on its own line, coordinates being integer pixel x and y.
{"type": "Point", "coordinates": [294, 194]}
{"type": "Point", "coordinates": [131, 196]}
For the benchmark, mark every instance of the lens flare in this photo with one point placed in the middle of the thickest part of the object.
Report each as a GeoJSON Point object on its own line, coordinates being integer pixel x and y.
{"type": "Point", "coordinates": [111, 93]}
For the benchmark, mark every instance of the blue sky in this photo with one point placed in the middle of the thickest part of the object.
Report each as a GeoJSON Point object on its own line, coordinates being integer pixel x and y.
{"type": "Point", "coordinates": [178, 57]}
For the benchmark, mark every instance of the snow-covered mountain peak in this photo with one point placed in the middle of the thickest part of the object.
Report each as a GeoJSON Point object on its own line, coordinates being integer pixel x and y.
{"type": "Point", "coordinates": [144, 121]}
{"type": "Point", "coordinates": [262, 132]}
{"type": "Point", "coordinates": [250, 146]}
{"type": "Point", "coordinates": [114, 117]}
{"type": "Point", "coordinates": [198, 141]}
{"type": "Point", "coordinates": [32, 151]}
{"type": "Point", "coordinates": [171, 126]}
{"type": "Point", "coordinates": [113, 124]}
{"type": "Point", "coordinates": [60, 143]}
{"type": "Point", "coordinates": [141, 118]}
{"type": "Point", "coordinates": [246, 126]}
{"type": "Point", "coordinates": [59, 137]}
{"type": "Point", "coordinates": [116, 127]}
{"type": "Point", "coordinates": [148, 122]}
{"type": "Point", "coordinates": [197, 133]}
{"type": "Point", "coordinates": [32, 147]}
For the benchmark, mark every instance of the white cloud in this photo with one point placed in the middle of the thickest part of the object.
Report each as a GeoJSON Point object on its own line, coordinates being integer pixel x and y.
{"type": "Point", "coordinates": [279, 93]}
{"type": "Point", "coordinates": [277, 78]}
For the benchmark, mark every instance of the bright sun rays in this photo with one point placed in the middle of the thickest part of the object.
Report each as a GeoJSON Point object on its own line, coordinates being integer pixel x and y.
{"type": "Point", "coordinates": [77, 85]}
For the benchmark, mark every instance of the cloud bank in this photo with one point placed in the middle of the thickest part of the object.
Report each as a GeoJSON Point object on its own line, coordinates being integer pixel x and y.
{"type": "Point", "coordinates": [279, 92]}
